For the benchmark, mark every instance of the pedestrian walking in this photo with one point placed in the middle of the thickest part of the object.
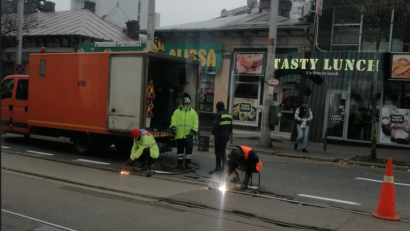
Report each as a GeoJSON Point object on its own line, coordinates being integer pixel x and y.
{"type": "Point", "coordinates": [245, 159]}
{"type": "Point", "coordinates": [303, 117]}
{"type": "Point", "coordinates": [184, 126]}
{"type": "Point", "coordinates": [221, 131]}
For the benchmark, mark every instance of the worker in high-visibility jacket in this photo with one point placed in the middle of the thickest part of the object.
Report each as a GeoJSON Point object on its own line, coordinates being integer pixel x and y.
{"type": "Point", "coordinates": [145, 149]}
{"type": "Point", "coordinates": [245, 159]}
{"type": "Point", "coordinates": [221, 131]}
{"type": "Point", "coordinates": [184, 126]}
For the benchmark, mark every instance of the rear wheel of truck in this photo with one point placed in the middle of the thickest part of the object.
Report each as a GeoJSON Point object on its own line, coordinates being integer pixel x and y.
{"type": "Point", "coordinates": [82, 144]}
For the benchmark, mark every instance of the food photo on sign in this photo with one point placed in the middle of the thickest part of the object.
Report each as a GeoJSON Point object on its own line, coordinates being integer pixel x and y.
{"type": "Point", "coordinates": [249, 63]}
{"type": "Point", "coordinates": [400, 66]}
{"type": "Point", "coordinates": [244, 109]}
{"type": "Point", "coordinates": [395, 126]}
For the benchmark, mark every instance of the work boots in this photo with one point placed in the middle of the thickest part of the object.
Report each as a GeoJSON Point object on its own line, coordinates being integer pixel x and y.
{"type": "Point", "coordinates": [179, 164]}
{"type": "Point", "coordinates": [245, 182]}
{"type": "Point", "coordinates": [187, 163]}
{"type": "Point", "coordinates": [217, 170]}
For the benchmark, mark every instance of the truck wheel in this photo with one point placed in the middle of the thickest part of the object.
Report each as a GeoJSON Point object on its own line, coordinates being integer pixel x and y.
{"type": "Point", "coordinates": [82, 144]}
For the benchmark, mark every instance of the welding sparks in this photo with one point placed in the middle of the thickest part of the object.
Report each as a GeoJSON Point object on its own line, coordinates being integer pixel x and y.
{"type": "Point", "coordinates": [125, 172]}
{"type": "Point", "coordinates": [222, 188]}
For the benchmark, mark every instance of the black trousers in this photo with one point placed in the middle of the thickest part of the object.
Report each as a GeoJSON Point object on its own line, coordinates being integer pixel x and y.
{"type": "Point", "coordinates": [220, 154]}
{"type": "Point", "coordinates": [188, 146]}
{"type": "Point", "coordinates": [242, 165]}
{"type": "Point", "coordinates": [146, 157]}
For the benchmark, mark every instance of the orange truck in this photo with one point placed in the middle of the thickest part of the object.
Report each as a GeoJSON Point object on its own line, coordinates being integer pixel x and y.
{"type": "Point", "coordinates": [96, 99]}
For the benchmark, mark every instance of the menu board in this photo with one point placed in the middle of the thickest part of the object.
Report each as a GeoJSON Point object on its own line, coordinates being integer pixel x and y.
{"type": "Point", "coordinates": [394, 126]}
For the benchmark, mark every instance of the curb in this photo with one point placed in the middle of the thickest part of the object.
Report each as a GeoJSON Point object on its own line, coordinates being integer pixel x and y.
{"type": "Point", "coordinates": [365, 164]}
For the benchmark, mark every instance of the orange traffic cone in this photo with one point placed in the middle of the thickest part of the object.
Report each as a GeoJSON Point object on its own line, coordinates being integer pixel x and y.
{"type": "Point", "coordinates": [387, 202]}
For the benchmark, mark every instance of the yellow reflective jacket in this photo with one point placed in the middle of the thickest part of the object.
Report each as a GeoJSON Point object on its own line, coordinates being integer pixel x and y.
{"type": "Point", "coordinates": [146, 141]}
{"type": "Point", "coordinates": [184, 121]}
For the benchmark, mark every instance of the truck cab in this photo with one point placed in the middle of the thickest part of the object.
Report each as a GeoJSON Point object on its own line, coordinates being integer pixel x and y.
{"type": "Point", "coordinates": [14, 104]}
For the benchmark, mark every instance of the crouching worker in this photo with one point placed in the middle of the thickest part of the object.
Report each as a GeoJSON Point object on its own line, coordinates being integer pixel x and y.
{"type": "Point", "coordinates": [245, 159]}
{"type": "Point", "coordinates": [145, 149]}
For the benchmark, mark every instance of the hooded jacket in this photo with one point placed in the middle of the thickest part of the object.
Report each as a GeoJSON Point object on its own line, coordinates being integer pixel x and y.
{"type": "Point", "coordinates": [184, 120]}
{"type": "Point", "coordinates": [146, 141]}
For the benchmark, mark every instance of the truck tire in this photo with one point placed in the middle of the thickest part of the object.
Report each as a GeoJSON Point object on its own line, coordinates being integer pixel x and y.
{"type": "Point", "coordinates": [82, 143]}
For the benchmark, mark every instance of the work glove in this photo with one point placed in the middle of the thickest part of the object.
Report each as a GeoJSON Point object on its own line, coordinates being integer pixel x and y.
{"type": "Point", "coordinates": [211, 138]}
{"type": "Point", "coordinates": [130, 162]}
{"type": "Point", "coordinates": [189, 138]}
{"type": "Point", "coordinates": [174, 130]}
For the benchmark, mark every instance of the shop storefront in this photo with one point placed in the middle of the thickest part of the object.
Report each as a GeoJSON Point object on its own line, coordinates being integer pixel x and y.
{"type": "Point", "coordinates": [247, 74]}
{"type": "Point", "coordinates": [395, 113]}
{"type": "Point", "coordinates": [338, 88]}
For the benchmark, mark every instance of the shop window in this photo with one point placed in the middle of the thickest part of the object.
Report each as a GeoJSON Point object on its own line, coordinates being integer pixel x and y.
{"type": "Point", "coordinates": [246, 98]}
{"type": "Point", "coordinates": [360, 111]}
{"type": "Point", "coordinates": [22, 90]}
{"type": "Point", "coordinates": [207, 92]}
{"type": "Point", "coordinates": [395, 116]}
{"type": "Point", "coordinates": [7, 89]}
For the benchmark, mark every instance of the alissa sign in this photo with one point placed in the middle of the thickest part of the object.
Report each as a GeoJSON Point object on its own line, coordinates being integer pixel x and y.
{"type": "Point", "coordinates": [210, 54]}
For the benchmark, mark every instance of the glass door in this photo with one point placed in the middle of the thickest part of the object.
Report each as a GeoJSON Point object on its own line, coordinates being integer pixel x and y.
{"type": "Point", "coordinates": [336, 111]}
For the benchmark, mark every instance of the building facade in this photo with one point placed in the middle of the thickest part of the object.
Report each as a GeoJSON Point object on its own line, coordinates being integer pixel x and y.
{"type": "Point", "coordinates": [319, 58]}
{"type": "Point", "coordinates": [133, 9]}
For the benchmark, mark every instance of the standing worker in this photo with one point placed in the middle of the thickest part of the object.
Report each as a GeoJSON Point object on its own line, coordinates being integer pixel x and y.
{"type": "Point", "coordinates": [145, 148]}
{"type": "Point", "coordinates": [184, 126]}
{"type": "Point", "coordinates": [221, 131]}
{"type": "Point", "coordinates": [245, 159]}
{"type": "Point", "coordinates": [303, 116]}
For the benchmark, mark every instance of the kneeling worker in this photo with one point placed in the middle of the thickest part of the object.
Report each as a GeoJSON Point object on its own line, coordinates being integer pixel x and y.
{"type": "Point", "coordinates": [245, 159]}
{"type": "Point", "coordinates": [145, 149]}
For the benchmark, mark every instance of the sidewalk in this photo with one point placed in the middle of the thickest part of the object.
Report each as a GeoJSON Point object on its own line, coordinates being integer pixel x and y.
{"type": "Point", "coordinates": [335, 150]}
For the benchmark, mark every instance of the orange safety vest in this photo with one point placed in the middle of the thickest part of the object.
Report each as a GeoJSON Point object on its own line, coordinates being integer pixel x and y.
{"type": "Point", "coordinates": [246, 151]}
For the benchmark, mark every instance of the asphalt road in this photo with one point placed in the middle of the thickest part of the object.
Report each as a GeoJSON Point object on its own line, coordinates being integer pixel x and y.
{"type": "Point", "coordinates": [336, 185]}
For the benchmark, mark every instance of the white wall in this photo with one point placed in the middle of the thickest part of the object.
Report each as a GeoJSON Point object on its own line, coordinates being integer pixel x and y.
{"type": "Point", "coordinates": [130, 8]}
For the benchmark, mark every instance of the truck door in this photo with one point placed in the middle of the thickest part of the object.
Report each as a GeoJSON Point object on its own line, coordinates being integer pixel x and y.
{"type": "Point", "coordinates": [20, 108]}
{"type": "Point", "coordinates": [7, 90]}
{"type": "Point", "coordinates": [126, 90]}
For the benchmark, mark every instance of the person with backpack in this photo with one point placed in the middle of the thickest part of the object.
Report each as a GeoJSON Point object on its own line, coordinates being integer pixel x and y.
{"type": "Point", "coordinates": [303, 117]}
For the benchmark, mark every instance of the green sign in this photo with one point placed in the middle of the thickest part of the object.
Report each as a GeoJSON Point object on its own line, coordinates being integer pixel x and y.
{"type": "Point", "coordinates": [110, 46]}
{"type": "Point", "coordinates": [210, 54]}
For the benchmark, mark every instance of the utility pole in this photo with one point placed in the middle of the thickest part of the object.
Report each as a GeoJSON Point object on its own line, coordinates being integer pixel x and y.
{"type": "Point", "coordinates": [265, 139]}
{"type": "Point", "coordinates": [20, 19]}
{"type": "Point", "coordinates": [151, 25]}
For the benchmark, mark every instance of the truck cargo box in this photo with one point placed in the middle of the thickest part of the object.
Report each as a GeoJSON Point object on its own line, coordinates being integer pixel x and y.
{"type": "Point", "coordinates": [106, 92]}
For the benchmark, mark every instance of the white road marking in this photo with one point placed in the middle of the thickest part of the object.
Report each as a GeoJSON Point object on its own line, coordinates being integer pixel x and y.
{"type": "Point", "coordinates": [37, 220]}
{"type": "Point", "coordinates": [41, 153]}
{"type": "Point", "coordinates": [92, 162]}
{"type": "Point", "coordinates": [4, 147]}
{"type": "Point", "coordinates": [380, 181]}
{"type": "Point", "coordinates": [328, 199]}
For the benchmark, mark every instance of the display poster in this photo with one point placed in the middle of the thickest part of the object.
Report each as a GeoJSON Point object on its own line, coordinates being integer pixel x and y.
{"type": "Point", "coordinates": [249, 63]}
{"type": "Point", "coordinates": [400, 66]}
{"type": "Point", "coordinates": [245, 110]}
{"type": "Point", "coordinates": [394, 126]}
{"type": "Point", "coordinates": [319, 7]}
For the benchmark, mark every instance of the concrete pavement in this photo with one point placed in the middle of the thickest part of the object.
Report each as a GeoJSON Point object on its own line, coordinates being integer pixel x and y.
{"type": "Point", "coordinates": [263, 209]}
{"type": "Point", "coordinates": [335, 151]}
